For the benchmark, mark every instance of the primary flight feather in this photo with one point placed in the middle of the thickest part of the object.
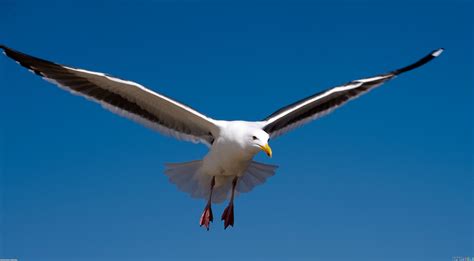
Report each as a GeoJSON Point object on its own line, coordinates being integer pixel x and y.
{"type": "Point", "coordinates": [228, 167]}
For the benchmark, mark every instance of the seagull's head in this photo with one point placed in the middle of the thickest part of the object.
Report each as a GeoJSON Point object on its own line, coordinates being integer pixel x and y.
{"type": "Point", "coordinates": [258, 140]}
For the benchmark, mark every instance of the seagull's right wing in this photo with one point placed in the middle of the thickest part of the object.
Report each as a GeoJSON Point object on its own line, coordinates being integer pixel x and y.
{"type": "Point", "coordinates": [320, 104]}
{"type": "Point", "coordinates": [126, 98]}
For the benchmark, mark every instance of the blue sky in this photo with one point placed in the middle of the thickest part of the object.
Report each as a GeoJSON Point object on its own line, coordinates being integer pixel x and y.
{"type": "Point", "coordinates": [389, 176]}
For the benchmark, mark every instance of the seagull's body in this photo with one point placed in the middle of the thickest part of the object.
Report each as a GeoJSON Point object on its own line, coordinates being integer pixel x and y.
{"type": "Point", "coordinates": [228, 167]}
{"type": "Point", "coordinates": [229, 156]}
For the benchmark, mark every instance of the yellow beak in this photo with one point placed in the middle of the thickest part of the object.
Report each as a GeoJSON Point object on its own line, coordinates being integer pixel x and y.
{"type": "Point", "coordinates": [267, 150]}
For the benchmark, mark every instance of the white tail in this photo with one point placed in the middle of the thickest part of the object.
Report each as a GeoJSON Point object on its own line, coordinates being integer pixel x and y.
{"type": "Point", "coordinates": [256, 174]}
{"type": "Point", "coordinates": [188, 178]}
{"type": "Point", "coordinates": [185, 176]}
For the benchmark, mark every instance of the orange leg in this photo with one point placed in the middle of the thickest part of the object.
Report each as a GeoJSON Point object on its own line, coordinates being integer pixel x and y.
{"type": "Point", "coordinates": [228, 215]}
{"type": "Point", "coordinates": [206, 217]}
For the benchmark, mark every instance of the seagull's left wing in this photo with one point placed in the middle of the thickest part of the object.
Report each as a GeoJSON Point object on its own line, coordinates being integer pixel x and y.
{"type": "Point", "coordinates": [317, 105]}
{"type": "Point", "coordinates": [126, 98]}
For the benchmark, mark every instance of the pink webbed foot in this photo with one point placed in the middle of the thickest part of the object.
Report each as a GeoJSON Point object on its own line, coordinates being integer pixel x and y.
{"type": "Point", "coordinates": [228, 215]}
{"type": "Point", "coordinates": [206, 217]}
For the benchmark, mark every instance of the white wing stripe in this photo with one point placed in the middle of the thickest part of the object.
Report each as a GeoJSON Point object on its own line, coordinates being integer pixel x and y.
{"type": "Point", "coordinates": [320, 104]}
{"type": "Point", "coordinates": [124, 97]}
{"type": "Point", "coordinates": [337, 89]}
{"type": "Point", "coordinates": [142, 88]}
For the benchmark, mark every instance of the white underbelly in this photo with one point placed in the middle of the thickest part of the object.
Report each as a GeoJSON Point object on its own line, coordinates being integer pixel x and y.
{"type": "Point", "coordinates": [226, 159]}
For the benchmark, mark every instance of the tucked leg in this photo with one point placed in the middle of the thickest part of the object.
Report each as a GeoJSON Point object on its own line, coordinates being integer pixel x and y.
{"type": "Point", "coordinates": [228, 215]}
{"type": "Point", "coordinates": [206, 217]}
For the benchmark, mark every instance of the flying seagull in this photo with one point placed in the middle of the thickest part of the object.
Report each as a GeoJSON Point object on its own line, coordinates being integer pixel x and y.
{"type": "Point", "coordinates": [228, 167]}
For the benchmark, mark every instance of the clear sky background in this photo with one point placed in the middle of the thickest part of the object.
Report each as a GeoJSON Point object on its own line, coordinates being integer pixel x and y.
{"type": "Point", "coordinates": [389, 176]}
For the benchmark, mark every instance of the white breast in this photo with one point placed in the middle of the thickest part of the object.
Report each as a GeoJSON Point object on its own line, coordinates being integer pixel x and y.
{"type": "Point", "coordinates": [229, 154]}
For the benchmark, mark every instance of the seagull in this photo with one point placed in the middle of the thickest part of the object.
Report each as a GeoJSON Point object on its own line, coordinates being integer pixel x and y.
{"type": "Point", "coordinates": [228, 168]}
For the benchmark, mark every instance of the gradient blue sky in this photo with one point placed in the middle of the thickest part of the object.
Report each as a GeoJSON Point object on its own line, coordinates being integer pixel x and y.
{"type": "Point", "coordinates": [387, 177]}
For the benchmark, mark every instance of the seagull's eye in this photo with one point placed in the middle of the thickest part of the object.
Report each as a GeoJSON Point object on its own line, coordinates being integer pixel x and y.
{"type": "Point", "coordinates": [254, 138]}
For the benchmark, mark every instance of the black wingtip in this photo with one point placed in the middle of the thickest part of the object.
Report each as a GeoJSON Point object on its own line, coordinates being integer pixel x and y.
{"type": "Point", "coordinates": [5, 49]}
{"type": "Point", "coordinates": [420, 62]}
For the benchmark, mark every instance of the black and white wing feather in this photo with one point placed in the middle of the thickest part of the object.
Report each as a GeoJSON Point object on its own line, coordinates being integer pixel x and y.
{"type": "Point", "coordinates": [320, 104]}
{"type": "Point", "coordinates": [125, 98]}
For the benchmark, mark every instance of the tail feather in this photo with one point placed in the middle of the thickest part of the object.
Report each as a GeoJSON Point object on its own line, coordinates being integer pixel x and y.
{"type": "Point", "coordinates": [189, 179]}
{"type": "Point", "coordinates": [185, 176]}
{"type": "Point", "coordinates": [256, 174]}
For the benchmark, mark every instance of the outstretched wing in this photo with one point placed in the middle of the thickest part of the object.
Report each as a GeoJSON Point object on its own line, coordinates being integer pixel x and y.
{"type": "Point", "coordinates": [320, 104]}
{"type": "Point", "coordinates": [123, 97]}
